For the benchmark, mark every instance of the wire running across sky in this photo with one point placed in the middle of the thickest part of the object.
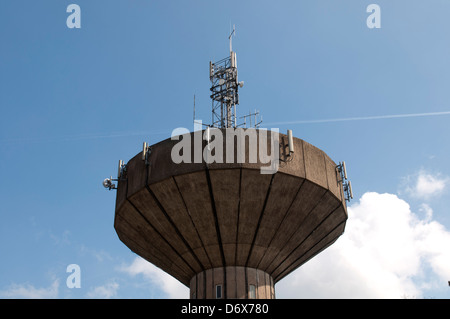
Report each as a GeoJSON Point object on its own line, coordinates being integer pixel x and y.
{"type": "Point", "coordinates": [361, 118]}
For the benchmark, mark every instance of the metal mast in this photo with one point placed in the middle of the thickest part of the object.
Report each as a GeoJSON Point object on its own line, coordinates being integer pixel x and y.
{"type": "Point", "coordinates": [224, 87]}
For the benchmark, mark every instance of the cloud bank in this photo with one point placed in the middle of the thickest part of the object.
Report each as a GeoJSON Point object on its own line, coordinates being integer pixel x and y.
{"type": "Point", "coordinates": [172, 288]}
{"type": "Point", "coordinates": [28, 291]}
{"type": "Point", "coordinates": [387, 251]}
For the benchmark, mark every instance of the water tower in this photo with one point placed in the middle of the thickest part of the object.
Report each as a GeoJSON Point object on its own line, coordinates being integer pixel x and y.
{"type": "Point", "coordinates": [224, 222]}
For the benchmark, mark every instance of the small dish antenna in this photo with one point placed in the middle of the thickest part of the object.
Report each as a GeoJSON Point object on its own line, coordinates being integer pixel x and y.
{"type": "Point", "coordinates": [108, 182]}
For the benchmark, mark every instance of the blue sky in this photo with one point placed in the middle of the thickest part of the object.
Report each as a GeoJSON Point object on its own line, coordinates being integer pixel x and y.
{"type": "Point", "coordinates": [75, 101]}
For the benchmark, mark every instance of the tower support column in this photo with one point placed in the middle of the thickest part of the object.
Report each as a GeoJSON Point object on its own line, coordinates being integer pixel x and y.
{"type": "Point", "coordinates": [232, 282]}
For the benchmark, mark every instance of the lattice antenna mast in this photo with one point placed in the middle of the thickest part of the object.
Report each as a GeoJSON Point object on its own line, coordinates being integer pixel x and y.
{"type": "Point", "coordinates": [224, 87]}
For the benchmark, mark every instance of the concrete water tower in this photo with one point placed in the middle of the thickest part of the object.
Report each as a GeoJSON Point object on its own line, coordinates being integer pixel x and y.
{"type": "Point", "coordinates": [224, 222]}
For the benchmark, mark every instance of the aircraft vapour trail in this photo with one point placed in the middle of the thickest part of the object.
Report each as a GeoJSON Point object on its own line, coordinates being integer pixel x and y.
{"type": "Point", "coordinates": [361, 118]}
{"type": "Point", "coordinates": [93, 136]}
{"type": "Point", "coordinates": [79, 137]}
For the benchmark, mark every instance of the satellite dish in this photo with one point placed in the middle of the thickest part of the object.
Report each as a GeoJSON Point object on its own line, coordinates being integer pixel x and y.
{"type": "Point", "coordinates": [221, 82]}
{"type": "Point", "coordinates": [107, 183]}
{"type": "Point", "coordinates": [241, 84]}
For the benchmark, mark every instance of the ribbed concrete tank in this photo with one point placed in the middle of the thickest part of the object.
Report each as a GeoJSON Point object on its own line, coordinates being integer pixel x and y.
{"type": "Point", "coordinates": [225, 229]}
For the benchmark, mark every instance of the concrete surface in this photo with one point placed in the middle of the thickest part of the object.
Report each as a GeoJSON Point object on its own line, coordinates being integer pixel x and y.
{"type": "Point", "coordinates": [215, 222]}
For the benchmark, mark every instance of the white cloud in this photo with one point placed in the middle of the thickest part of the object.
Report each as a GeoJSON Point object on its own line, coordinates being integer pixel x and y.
{"type": "Point", "coordinates": [172, 287]}
{"type": "Point", "coordinates": [387, 251]}
{"type": "Point", "coordinates": [427, 210]}
{"type": "Point", "coordinates": [106, 291]}
{"type": "Point", "coordinates": [28, 291]}
{"type": "Point", "coordinates": [424, 185]}
{"type": "Point", "coordinates": [99, 255]}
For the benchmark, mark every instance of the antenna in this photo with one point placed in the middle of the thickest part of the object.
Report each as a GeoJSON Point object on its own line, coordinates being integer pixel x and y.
{"type": "Point", "coordinates": [257, 122]}
{"type": "Point", "coordinates": [346, 184]}
{"type": "Point", "coordinates": [144, 150]}
{"type": "Point", "coordinates": [344, 169]}
{"type": "Point", "coordinates": [108, 182]}
{"type": "Point", "coordinates": [120, 169]}
{"type": "Point", "coordinates": [350, 191]}
{"type": "Point", "coordinates": [224, 90]}
{"type": "Point", "coordinates": [230, 38]}
{"type": "Point", "coordinates": [290, 142]}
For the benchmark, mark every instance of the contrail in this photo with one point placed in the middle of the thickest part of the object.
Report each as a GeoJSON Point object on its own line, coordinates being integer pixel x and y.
{"type": "Point", "coordinates": [79, 137]}
{"type": "Point", "coordinates": [93, 136]}
{"type": "Point", "coordinates": [361, 118]}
